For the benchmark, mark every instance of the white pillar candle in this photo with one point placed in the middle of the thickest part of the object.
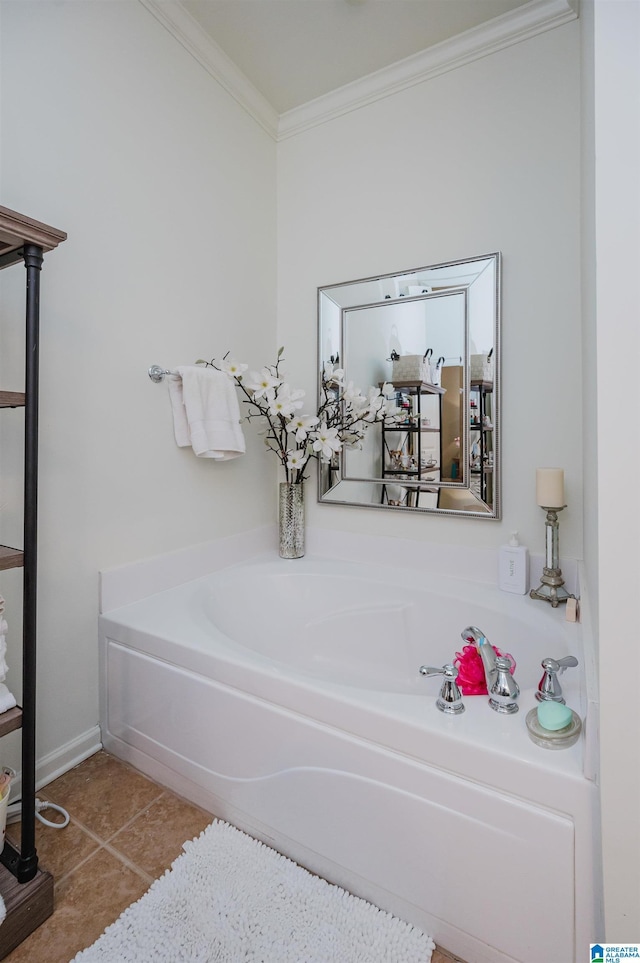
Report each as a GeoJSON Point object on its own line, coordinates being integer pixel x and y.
{"type": "Point", "coordinates": [550, 487]}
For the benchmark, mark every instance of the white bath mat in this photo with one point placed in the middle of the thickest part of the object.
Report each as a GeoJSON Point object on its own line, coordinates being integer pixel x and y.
{"type": "Point", "coordinates": [230, 899]}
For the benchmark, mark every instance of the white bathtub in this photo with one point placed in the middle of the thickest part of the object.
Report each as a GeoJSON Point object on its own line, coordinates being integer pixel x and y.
{"type": "Point", "coordinates": [285, 697]}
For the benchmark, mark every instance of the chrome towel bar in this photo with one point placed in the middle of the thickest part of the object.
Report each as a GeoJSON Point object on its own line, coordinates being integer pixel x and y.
{"type": "Point", "coordinates": [156, 373]}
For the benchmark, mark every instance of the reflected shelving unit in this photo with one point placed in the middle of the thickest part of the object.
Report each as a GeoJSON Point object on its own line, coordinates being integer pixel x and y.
{"type": "Point", "coordinates": [481, 427]}
{"type": "Point", "coordinates": [26, 889]}
{"type": "Point", "coordinates": [412, 449]}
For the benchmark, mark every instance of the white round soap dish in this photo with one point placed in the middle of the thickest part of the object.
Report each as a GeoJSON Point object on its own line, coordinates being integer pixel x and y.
{"type": "Point", "coordinates": [553, 738]}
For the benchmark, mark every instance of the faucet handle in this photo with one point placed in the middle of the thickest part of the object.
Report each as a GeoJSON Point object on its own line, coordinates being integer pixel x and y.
{"type": "Point", "coordinates": [504, 689]}
{"type": "Point", "coordinates": [568, 662]}
{"type": "Point", "coordinates": [450, 698]}
{"type": "Point", "coordinates": [549, 689]}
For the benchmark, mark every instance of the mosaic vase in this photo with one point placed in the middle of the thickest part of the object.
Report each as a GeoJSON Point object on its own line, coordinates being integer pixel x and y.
{"type": "Point", "coordinates": [291, 519]}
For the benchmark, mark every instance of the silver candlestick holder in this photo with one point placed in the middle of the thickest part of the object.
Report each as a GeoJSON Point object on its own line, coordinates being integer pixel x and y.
{"type": "Point", "coordinates": [551, 588]}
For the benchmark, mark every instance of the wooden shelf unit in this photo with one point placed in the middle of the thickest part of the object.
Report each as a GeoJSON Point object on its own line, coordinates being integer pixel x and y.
{"type": "Point", "coordinates": [10, 720]}
{"type": "Point", "coordinates": [26, 889]}
{"type": "Point", "coordinates": [18, 231]}
{"type": "Point", "coordinates": [12, 399]}
{"type": "Point", "coordinates": [27, 905]}
{"type": "Point", "coordinates": [10, 558]}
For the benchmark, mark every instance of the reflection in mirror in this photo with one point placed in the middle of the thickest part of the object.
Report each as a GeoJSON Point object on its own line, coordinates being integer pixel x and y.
{"type": "Point", "coordinates": [434, 334]}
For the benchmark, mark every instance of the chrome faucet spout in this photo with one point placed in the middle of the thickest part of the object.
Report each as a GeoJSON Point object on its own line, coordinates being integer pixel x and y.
{"type": "Point", "coordinates": [501, 686]}
{"type": "Point", "coordinates": [472, 634]}
{"type": "Point", "coordinates": [489, 662]}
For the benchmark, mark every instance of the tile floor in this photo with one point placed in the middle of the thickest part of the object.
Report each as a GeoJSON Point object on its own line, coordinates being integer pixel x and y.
{"type": "Point", "coordinates": [124, 831]}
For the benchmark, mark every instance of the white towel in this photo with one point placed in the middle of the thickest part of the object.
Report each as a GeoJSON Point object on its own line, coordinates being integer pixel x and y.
{"type": "Point", "coordinates": [3, 658]}
{"type": "Point", "coordinates": [7, 699]}
{"type": "Point", "coordinates": [206, 414]}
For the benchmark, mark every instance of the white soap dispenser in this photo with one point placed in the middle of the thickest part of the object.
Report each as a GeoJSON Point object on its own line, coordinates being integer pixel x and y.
{"type": "Point", "coordinates": [513, 567]}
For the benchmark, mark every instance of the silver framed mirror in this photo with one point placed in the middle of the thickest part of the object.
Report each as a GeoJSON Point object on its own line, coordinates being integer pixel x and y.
{"type": "Point", "coordinates": [434, 333]}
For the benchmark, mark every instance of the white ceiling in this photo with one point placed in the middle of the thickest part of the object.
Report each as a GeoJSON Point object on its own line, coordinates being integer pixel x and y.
{"type": "Point", "coordinates": [293, 51]}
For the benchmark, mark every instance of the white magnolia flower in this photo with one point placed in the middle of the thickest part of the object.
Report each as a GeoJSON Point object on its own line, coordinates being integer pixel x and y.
{"type": "Point", "coordinates": [354, 397]}
{"type": "Point", "coordinates": [285, 401]}
{"type": "Point", "coordinates": [342, 418]}
{"type": "Point", "coordinates": [376, 402]}
{"type": "Point", "coordinates": [326, 441]}
{"type": "Point", "coordinates": [392, 413]}
{"type": "Point", "coordinates": [232, 367]}
{"type": "Point", "coordinates": [296, 458]}
{"type": "Point", "coordinates": [351, 439]}
{"type": "Point", "coordinates": [261, 384]}
{"type": "Point", "coordinates": [302, 425]}
{"type": "Point", "coordinates": [332, 373]}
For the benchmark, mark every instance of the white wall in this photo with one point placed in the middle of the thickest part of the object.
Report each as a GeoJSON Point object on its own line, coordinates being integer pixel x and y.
{"type": "Point", "coordinates": [483, 158]}
{"type": "Point", "coordinates": [617, 221]}
{"type": "Point", "coordinates": [166, 187]}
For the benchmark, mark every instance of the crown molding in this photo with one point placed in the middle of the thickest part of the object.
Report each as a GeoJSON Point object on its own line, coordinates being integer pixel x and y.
{"type": "Point", "coordinates": [524, 22]}
{"type": "Point", "coordinates": [520, 24]}
{"type": "Point", "coordinates": [206, 51]}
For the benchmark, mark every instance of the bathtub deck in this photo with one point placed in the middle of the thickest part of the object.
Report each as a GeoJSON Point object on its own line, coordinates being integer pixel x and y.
{"type": "Point", "coordinates": [322, 740]}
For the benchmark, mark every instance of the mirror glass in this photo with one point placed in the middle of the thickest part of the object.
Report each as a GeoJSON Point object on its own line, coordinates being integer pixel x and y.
{"type": "Point", "coordinates": [434, 333]}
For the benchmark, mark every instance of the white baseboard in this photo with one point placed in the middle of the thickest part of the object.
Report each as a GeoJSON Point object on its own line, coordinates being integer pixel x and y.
{"type": "Point", "coordinates": [59, 761]}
